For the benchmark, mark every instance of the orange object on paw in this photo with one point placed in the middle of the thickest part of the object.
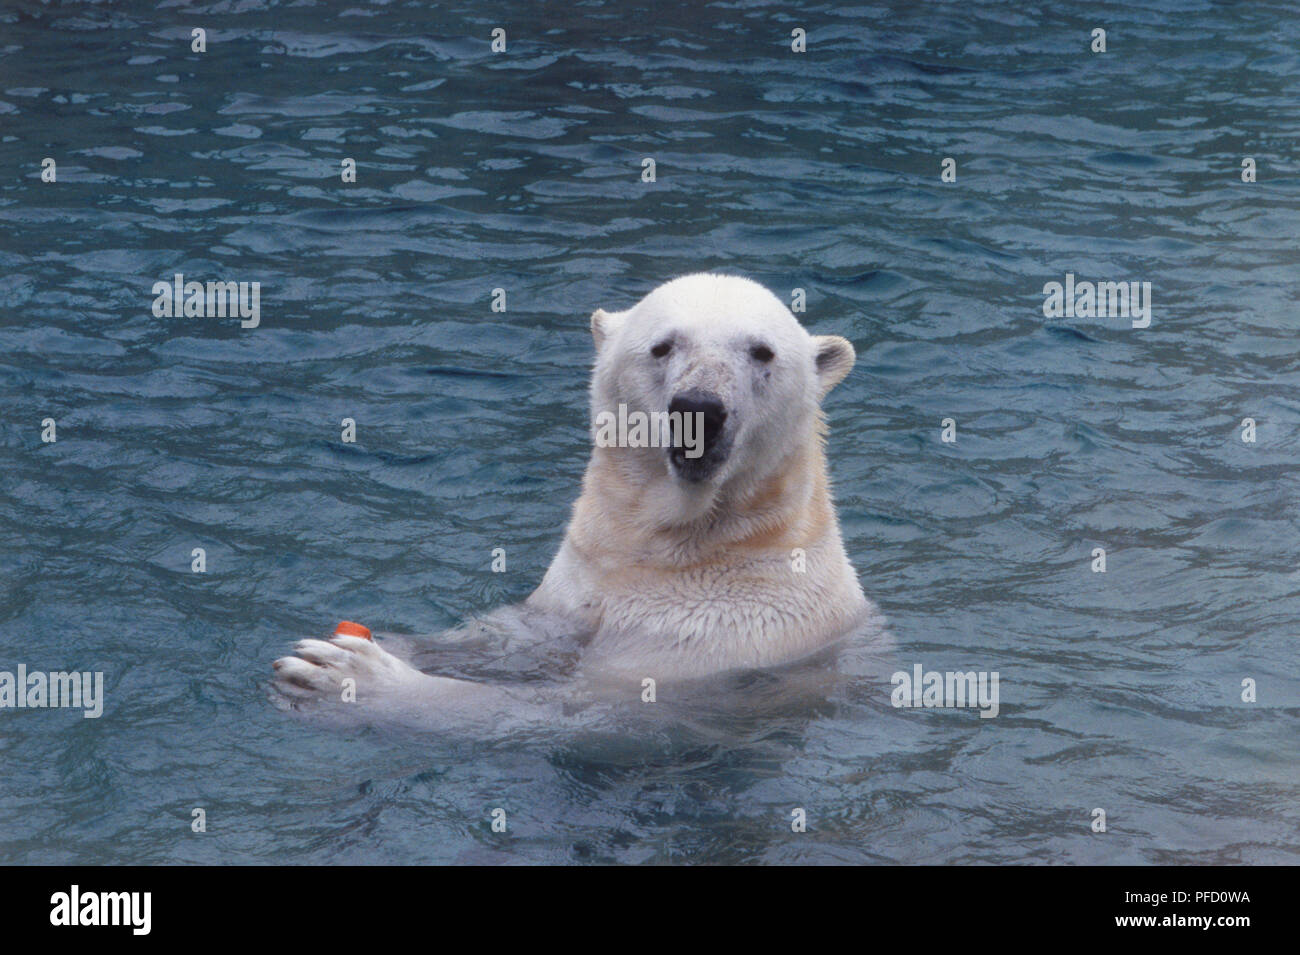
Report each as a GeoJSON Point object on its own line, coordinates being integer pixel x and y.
{"type": "Point", "coordinates": [347, 628]}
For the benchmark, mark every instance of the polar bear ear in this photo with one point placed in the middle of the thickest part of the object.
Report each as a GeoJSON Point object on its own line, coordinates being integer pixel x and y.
{"type": "Point", "coordinates": [834, 357]}
{"type": "Point", "coordinates": [603, 324]}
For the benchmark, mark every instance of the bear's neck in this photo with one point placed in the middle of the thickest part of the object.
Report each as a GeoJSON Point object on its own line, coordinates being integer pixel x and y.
{"type": "Point", "coordinates": [619, 522]}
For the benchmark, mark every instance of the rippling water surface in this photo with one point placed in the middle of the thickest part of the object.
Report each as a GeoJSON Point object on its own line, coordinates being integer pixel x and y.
{"type": "Point", "coordinates": [522, 171]}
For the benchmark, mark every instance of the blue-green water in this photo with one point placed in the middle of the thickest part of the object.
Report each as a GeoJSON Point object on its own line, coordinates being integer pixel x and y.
{"type": "Point", "coordinates": [522, 170]}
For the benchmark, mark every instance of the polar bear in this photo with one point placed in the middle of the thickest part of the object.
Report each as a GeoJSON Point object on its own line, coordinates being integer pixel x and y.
{"type": "Point", "coordinates": [679, 561]}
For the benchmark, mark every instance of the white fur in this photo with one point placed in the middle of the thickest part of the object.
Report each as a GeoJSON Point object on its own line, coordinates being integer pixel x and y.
{"type": "Point", "coordinates": [663, 577]}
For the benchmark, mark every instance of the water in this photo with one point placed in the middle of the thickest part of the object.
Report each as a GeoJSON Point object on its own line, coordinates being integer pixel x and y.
{"type": "Point", "coordinates": [521, 171]}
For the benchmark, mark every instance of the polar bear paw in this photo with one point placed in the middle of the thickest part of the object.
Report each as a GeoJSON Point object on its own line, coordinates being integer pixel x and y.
{"type": "Point", "coordinates": [346, 668]}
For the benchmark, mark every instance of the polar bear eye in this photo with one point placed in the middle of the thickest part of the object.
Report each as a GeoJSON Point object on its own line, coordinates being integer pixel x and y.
{"type": "Point", "coordinates": [663, 348]}
{"type": "Point", "coordinates": [761, 353]}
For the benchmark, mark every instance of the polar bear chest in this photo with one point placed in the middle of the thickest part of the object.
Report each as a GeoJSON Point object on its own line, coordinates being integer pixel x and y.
{"type": "Point", "coordinates": [739, 614]}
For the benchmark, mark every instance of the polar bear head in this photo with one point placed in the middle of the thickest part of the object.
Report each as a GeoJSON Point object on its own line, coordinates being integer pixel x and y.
{"type": "Point", "coordinates": [728, 351]}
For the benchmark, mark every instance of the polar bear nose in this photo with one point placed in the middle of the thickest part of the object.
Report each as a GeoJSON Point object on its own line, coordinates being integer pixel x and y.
{"type": "Point", "coordinates": [700, 402]}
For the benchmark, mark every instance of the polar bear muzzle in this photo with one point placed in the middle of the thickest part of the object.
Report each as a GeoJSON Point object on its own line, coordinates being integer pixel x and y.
{"type": "Point", "coordinates": [716, 438]}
